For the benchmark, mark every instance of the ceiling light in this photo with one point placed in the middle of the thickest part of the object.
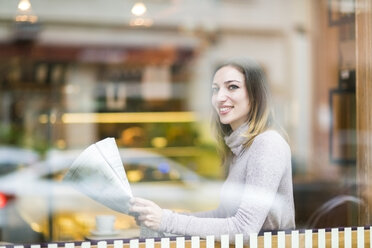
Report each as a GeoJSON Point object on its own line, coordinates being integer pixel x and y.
{"type": "Point", "coordinates": [24, 5]}
{"type": "Point", "coordinates": [139, 9]}
{"type": "Point", "coordinates": [24, 13]}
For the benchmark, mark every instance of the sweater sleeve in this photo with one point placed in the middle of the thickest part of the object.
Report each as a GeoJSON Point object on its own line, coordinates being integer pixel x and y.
{"type": "Point", "coordinates": [214, 213]}
{"type": "Point", "coordinates": [267, 160]}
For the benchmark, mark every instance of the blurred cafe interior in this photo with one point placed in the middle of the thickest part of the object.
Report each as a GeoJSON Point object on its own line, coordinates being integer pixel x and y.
{"type": "Point", "coordinates": [74, 72]}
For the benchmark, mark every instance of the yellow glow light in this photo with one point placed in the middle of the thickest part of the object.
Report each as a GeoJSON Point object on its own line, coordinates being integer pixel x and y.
{"type": "Point", "coordinates": [144, 117]}
{"type": "Point", "coordinates": [138, 9]}
{"type": "Point", "coordinates": [159, 142]}
{"type": "Point", "coordinates": [26, 18]}
{"type": "Point", "coordinates": [141, 22]}
{"type": "Point", "coordinates": [24, 5]}
{"type": "Point", "coordinates": [134, 175]}
{"type": "Point", "coordinates": [61, 144]}
{"type": "Point", "coordinates": [43, 119]}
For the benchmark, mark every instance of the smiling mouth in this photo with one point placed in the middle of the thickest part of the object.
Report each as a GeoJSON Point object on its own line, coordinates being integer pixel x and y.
{"type": "Point", "coordinates": [224, 110]}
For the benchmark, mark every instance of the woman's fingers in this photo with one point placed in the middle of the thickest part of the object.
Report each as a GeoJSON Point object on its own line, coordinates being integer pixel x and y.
{"type": "Point", "coordinates": [145, 220]}
{"type": "Point", "coordinates": [150, 218]}
{"type": "Point", "coordinates": [140, 209]}
{"type": "Point", "coordinates": [141, 201]}
{"type": "Point", "coordinates": [149, 224]}
{"type": "Point", "coordinates": [141, 205]}
{"type": "Point", "coordinates": [146, 212]}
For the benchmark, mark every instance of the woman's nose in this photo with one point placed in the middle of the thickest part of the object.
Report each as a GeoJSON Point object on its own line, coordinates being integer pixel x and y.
{"type": "Point", "coordinates": [221, 95]}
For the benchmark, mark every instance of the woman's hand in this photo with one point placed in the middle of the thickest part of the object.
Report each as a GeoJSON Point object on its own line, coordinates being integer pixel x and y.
{"type": "Point", "coordinates": [149, 214]}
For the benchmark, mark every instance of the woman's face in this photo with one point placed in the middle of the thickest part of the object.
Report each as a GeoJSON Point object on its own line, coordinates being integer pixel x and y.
{"type": "Point", "coordinates": [230, 96]}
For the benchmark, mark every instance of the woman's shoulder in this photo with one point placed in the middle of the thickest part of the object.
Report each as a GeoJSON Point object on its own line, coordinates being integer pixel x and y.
{"type": "Point", "coordinates": [270, 134]}
{"type": "Point", "coordinates": [271, 139]}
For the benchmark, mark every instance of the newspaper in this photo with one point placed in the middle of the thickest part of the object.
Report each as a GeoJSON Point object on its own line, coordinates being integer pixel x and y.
{"type": "Point", "coordinates": [98, 172]}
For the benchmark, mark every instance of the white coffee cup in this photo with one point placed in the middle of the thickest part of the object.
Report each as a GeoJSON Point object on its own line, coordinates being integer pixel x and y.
{"type": "Point", "coordinates": [105, 223]}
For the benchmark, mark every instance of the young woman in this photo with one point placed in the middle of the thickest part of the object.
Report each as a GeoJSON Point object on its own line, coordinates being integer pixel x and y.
{"type": "Point", "coordinates": [257, 194]}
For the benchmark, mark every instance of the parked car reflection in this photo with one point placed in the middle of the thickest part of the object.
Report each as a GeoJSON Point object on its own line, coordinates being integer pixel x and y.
{"type": "Point", "coordinates": [59, 212]}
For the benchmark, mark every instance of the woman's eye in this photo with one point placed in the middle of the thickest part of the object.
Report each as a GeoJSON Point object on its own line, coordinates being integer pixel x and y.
{"type": "Point", "coordinates": [233, 87]}
{"type": "Point", "coordinates": [214, 90]}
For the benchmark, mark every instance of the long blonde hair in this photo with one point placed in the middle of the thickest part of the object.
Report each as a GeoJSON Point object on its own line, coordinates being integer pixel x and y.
{"type": "Point", "coordinates": [260, 116]}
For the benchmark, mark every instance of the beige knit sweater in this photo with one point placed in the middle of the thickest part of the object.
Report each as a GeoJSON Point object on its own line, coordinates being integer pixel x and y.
{"type": "Point", "coordinates": [256, 196]}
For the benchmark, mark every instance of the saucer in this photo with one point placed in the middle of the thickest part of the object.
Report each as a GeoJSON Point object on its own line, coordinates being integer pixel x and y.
{"type": "Point", "coordinates": [104, 233]}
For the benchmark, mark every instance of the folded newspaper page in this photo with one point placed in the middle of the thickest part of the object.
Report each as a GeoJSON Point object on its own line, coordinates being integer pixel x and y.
{"type": "Point", "coordinates": [99, 173]}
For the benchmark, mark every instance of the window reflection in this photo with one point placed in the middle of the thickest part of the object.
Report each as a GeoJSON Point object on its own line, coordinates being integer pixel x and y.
{"type": "Point", "coordinates": [68, 80]}
{"type": "Point", "coordinates": [143, 173]}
